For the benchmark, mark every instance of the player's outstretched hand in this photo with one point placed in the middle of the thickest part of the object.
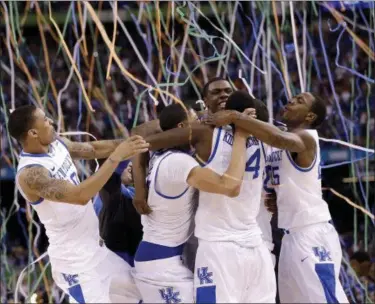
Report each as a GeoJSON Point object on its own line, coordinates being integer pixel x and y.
{"type": "Point", "coordinates": [221, 118]}
{"type": "Point", "coordinates": [141, 206]}
{"type": "Point", "coordinates": [129, 148]}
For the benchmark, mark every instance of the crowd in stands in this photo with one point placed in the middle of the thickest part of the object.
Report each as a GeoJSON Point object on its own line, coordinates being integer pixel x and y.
{"type": "Point", "coordinates": [352, 102]}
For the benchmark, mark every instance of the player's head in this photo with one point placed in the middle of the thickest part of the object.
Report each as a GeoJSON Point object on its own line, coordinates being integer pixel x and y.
{"type": "Point", "coordinates": [304, 110]}
{"type": "Point", "coordinates": [30, 125]}
{"type": "Point", "coordinates": [175, 116]}
{"type": "Point", "coordinates": [360, 261]}
{"type": "Point", "coordinates": [215, 94]}
{"type": "Point", "coordinates": [241, 100]}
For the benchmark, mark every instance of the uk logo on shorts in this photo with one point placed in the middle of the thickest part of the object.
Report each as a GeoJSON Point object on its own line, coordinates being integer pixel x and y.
{"type": "Point", "coordinates": [322, 254]}
{"type": "Point", "coordinates": [169, 296]}
{"type": "Point", "coordinates": [71, 279]}
{"type": "Point", "coordinates": [204, 276]}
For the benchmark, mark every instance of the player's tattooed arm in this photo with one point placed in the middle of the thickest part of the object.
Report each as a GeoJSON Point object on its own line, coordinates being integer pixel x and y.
{"type": "Point", "coordinates": [92, 149]}
{"type": "Point", "coordinates": [37, 183]}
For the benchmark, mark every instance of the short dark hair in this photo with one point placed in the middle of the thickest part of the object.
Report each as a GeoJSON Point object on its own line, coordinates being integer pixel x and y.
{"type": "Point", "coordinates": [360, 256]}
{"type": "Point", "coordinates": [262, 110]}
{"type": "Point", "coordinates": [319, 109]}
{"type": "Point", "coordinates": [207, 84]}
{"type": "Point", "coordinates": [239, 101]}
{"type": "Point", "coordinates": [171, 116]}
{"type": "Point", "coordinates": [21, 121]}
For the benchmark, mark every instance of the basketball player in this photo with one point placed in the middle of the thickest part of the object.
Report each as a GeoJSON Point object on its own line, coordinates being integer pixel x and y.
{"type": "Point", "coordinates": [159, 272]}
{"type": "Point", "coordinates": [232, 263]}
{"type": "Point", "coordinates": [46, 176]}
{"type": "Point", "coordinates": [310, 255]}
{"type": "Point", "coordinates": [215, 93]}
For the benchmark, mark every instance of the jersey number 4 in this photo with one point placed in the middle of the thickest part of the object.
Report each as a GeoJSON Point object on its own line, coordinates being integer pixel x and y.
{"type": "Point", "coordinates": [253, 164]}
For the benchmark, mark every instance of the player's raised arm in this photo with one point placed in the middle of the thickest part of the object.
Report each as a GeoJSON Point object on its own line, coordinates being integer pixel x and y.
{"type": "Point", "coordinates": [147, 128]}
{"type": "Point", "coordinates": [230, 182]}
{"type": "Point", "coordinates": [91, 149]}
{"type": "Point", "coordinates": [37, 183]}
{"type": "Point", "coordinates": [177, 137]}
{"type": "Point", "coordinates": [293, 142]}
{"type": "Point", "coordinates": [139, 176]}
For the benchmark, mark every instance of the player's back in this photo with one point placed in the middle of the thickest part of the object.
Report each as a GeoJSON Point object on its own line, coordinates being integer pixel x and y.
{"type": "Point", "coordinates": [221, 218]}
{"type": "Point", "coordinates": [72, 230]}
{"type": "Point", "coordinates": [299, 190]}
{"type": "Point", "coordinates": [170, 198]}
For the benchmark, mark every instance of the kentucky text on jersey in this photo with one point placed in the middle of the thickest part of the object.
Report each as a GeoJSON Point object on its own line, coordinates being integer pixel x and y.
{"type": "Point", "coordinates": [251, 141]}
{"type": "Point", "coordinates": [64, 169]}
{"type": "Point", "coordinates": [275, 156]}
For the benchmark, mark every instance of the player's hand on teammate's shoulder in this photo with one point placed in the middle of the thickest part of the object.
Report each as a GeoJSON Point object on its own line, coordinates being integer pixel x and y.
{"type": "Point", "coordinates": [221, 118]}
{"type": "Point", "coordinates": [130, 147]}
{"type": "Point", "coordinates": [141, 205]}
{"type": "Point", "coordinates": [226, 117]}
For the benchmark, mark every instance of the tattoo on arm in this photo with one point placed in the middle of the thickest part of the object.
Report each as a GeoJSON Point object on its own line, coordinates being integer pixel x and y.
{"type": "Point", "coordinates": [93, 149]}
{"type": "Point", "coordinates": [37, 180]}
{"type": "Point", "coordinates": [81, 150]}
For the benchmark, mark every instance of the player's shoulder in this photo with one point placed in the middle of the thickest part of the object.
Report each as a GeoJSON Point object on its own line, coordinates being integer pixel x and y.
{"type": "Point", "coordinates": [177, 157]}
{"type": "Point", "coordinates": [309, 137]}
{"type": "Point", "coordinates": [32, 174]}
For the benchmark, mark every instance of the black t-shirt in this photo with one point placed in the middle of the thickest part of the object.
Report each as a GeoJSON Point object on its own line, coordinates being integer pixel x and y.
{"type": "Point", "coordinates": [120, 224]}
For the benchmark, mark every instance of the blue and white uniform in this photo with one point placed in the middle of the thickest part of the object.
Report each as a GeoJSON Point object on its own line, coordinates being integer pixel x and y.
{"type": "Point", "coordinates": [82, 266]}
{"type": "Point", "coordinates": [264, 216]}
{"type": "Point", "coordinates": [233, 264]}
{"type": "Point", "coordinates": [159, 272]}
{"type": "Point", "coordinates": [310, 257]}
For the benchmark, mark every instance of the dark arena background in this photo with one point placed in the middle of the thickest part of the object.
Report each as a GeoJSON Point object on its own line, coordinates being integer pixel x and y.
{"type": "Point", "coordinates": [63, 56]}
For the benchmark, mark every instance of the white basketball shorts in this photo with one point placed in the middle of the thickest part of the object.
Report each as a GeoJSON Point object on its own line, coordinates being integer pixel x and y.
{"type": "Point", "coordinates": [164, 281]}
{"type": "Point", "coordinates": [108, 282]}
{"type": "Point", "coordinates": [226, 272]}
{"type": "Point", "coordinates": [309, 265]}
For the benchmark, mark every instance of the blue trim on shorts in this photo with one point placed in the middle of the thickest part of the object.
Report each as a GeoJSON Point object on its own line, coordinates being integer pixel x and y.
{"type": "Point", "coordinates": [206, 294]}
{"type": "Point", "coordinates": [149, 252]}
{"type": "Point", "coordinates": [326, 274]}
{"type": "Point", "coordinates": [76, 293]}
{"type": "Point", "coordinates": [126, 257]}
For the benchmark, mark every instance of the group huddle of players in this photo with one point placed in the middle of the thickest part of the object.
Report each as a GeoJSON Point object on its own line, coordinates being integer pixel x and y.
{"type": "Point", "coordinates": [202, 177]}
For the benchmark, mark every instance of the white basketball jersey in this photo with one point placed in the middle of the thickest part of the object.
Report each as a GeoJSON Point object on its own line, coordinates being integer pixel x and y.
{"type": "Point", "coordinates": [299, 190]}
{"type": "Point", "coordinates": [171, 221]}
{"type": "Point", "coordinates": [221, 218]}
{"type": "Point", "coordinates": [72, 230]}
